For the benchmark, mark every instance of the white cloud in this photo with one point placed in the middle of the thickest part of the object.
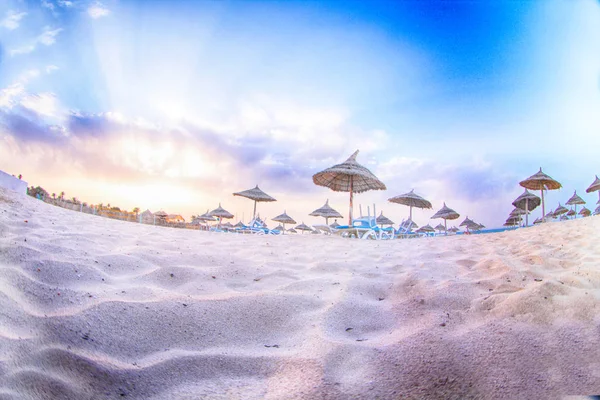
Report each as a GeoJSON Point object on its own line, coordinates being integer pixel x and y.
{"type": "Point", "coordinates": [9, 95]}
{"type": "Point", "coordinates": [48, 37]}
{"type": "Point", "coordinates": [51, 68]}
{"type": "Point", "coordinates": [45, 104]}
{"type": "Point", "coordinates": [47, 4]}
{"type": "Point", "coordinates": [65, 3]}
{"type": "Point", "coordinates": [12, 20]}
{"type": "Point", "coordinates": [98, 10]}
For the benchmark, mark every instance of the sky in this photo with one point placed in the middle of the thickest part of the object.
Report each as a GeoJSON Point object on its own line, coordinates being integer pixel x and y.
{"type": "Point", "coordinates": [175, 105]}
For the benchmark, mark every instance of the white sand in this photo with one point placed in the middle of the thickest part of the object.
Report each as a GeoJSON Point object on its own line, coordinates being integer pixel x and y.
{"type": "Point", "coordinates": [94, 308]}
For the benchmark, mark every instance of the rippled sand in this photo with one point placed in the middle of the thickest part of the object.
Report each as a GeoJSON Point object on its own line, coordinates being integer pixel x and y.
{"type": "Point", "coordinates": [93, 308]}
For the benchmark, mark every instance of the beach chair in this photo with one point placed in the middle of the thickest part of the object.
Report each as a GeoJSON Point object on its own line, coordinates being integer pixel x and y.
{"type": "Point", "coordinates": [364, 228]}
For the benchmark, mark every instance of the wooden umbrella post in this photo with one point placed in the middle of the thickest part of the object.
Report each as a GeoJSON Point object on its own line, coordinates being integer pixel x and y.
{"type": "Point", "coordinates": [543, 207]}
{"type": "Point", "coordinates": [351, 194]}
{"type": "Point", "coordinates": [254, 212]}
{"type": "Point", "coordinates": [526, 212]}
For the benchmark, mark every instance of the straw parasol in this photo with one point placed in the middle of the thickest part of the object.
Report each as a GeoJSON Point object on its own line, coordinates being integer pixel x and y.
{"type": "Point", "coordinates": [446, 213]}
{"type": "Point", "coordinates": [302, 227]}
{"type": "Point", "coordinates": [585, 212]}
{"type": "Point", "coordinates": [284, 219]}
{"type": "Point", "coordinates": [528, 202]}
{"type": "Point", "coordinates": [597, 210]}
{"type": "Point", "coordinates": [334, 225]}
{"type": "Point", "coordinates": [426, 229]}
{"type": "Point", "coordinates": [595, 187]}
{"type": "Point", "coordinates": [453, 229]}
{"type": "Point", "coordinates": [279, 228]}
{"type": "Point", "coordinates": [255, 194]}
{"type": "Point", "coordinates": [408, 225]}
{"type": "Point", "coordinates": [220, 213]}
{"type": "Point", "coordinates": [574, 201]}
{"type": "Point", "coordinates": [467, 223]}
{"type": "Point", "coordinates": [240, 224]}
{"type": "Point", "coordinates": [411, 199]}
{"type": "Point", "coordinates": [514, 221]}
{"type": "Point", "coordinates": [439, 227]}
{"type": "Point", "coordinates": [540, 181]}
{"type": "Point", "coordinates": [560, 210]}
{"type": "Point", "coordinates": [537, 221]}
{"type": "Point", "coordinates": [326, 211]}
{"type": "Point", "coordinates": [292, 230]}
{"type": "Point", "coordinates": [348, 176]}
{"type": "Point", "coordinates": [383, 220]}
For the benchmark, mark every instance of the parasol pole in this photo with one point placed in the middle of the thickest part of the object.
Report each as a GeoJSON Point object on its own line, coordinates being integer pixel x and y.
{"type": "Point", "coordinates": [351, 193]}
{"type": "Point", "coordinates": [543, 207]}
{"type": "Point", "coordinates": [410, 215]}
{"type": "Point", "coordinates": [446, 226]}
{"type": "Point", "coordinates": [526, 211]}
{"type": "Point", "coordinates": [254, 212]}
{"type": "Point", "coordinates": [575, 216]}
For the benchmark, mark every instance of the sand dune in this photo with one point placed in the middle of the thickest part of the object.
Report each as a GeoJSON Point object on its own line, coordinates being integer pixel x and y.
{"type": "Point", "coordinates": [94, 308]}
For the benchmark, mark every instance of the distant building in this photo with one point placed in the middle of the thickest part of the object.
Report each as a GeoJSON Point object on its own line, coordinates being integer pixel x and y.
{"type": "Point", "coordinates": [147, 217]}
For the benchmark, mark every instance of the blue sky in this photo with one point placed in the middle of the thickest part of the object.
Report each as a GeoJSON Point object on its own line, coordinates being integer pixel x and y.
{"type": "Point", "coordinates": [176, 105]}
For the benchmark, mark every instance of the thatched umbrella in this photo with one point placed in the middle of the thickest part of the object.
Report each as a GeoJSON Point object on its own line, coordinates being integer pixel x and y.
{"type": "Point", "coordinates": [538, 221]}
{"type": "Point", "coordinates": [467, 223]}
{"type": "Point", "coordinates": [446, 213]}
{"type": "Point", "coordinates": [453, 229]}
{"type": "Point", "coordinates": [327, 212]}
{"type": "Point", "coordinates": [574, 200]}
{"type": "Point", "coordinates": [240, 224]}
{"type": "Point", "coordinates": [571, 213]}
{"type": "Point", "coordinates": [284, 219]}
{"type": "Point", "coordinates": [220, 213]}
{"type": "Point", "coordinates": [439, 227]}
{"type": "Point", "coordinates": [540, 181]}
{"type": "Point", "coordinates": [348, 176]}
{"type": "Point", "coordinates": [585, 212]}
{"type": "Point", "coordinates": [255, 194]}
{"type": "Point", "coordinates": [597, 210]}
{"type": "Point", "coordinates": [383, 220]}
{"type": "Point", "coordinates": [279, 228]}
{"type": "Point", "coordinates": [426, 229]}
{"type": "Point", "coordinates": [513, 221]}
{"type": "Point", "coordinates": [334, 225]}
{"type": "Point", "coordinates": [292, 230]}
{"type": "Point", "coordinates": [411, 199]}
{"type": "Point", "coordinates": [595, 187]}
{"type": "Point", "coordinates": [528, 202]}
{"type": "Point", "coordinates": [302, 227]}
{"type": "Point", "coordinates": [560, 210]}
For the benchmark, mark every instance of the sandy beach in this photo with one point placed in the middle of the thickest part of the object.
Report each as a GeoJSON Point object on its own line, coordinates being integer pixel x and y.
{"type": "Point", "coordinates": [94, 308]}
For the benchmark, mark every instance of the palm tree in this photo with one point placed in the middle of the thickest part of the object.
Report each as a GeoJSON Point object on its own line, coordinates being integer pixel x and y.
{"type": "Point", "coordinates": [74, 200]}
{"type": "Point", "coordinates": [54, 196]}
{"type": "Point", "coordinates": [62, 195]}
{"type": "Point", "coordinates": [136, 210]}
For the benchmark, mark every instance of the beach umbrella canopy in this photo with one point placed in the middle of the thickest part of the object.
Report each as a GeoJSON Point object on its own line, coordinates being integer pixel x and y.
{"type": "Point", "coordinates": [512, 222]}
{"type": "Point", "coordinates": [161, 214]}
{"type": "Point", "coordinates": [528, 202]}
{"type": "Point", "coordinates": [255, 194]}
{"type": "Point", "coordinates": [453, 229]}
{"type": "Point", "coordinates": [383, 220]}
{"type": "Point", "coordinates": [227, 225]}
{"type": "Point", "coordinates": [284, 219]}
{"type": "Point", "coordinates": [411, 199]}
{"type": "Point", "coordinates": [348, 176]}
{"type": "Point", "coordinates": [326, 211]}
{"type": "Point", "coordinates": [540, 181]}
{"type": "Point", "coordinates": [537, 221]}
{"type": "Point", "coordinates": [292, 230]}
{"type": "Point", "coordinates": [279, 228]}
{"type": "Point", "coordinates": [302, 227]}
{"type": "Point", "coordinates": [595, 186]}
{"type": "Point", "coordinates": [575, 200]}
{"type": "Point", "coordinates": [240, 224]}
{"type": "Point", "coordinates": [446, 213]}
{"type": "Point", "coordinates": [334, 225]}
{"type": "Point", "coordinates": [468, 223]}
{"type": "Point", "coordinates": [205, 217]}
{"type": "Point", "coordinates": [440, 227]}
{"type": "Point", "coordinates": [585, 212]}
{"type": "Point", "coordinates": [560, 210]}
{"type": "Point", "coordinates": [220, 213]}
{"type": "Point", "coordinates": [426, 228]}
{"type": "Point", "coordinates": [571, 213]}
{"type": "Point", "coordinates": [597, 210]}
